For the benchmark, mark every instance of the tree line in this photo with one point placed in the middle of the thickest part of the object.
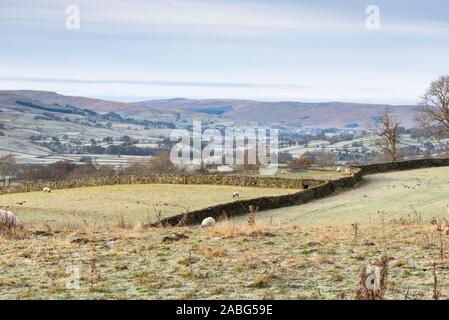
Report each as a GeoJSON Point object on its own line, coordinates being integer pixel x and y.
{"type": "Point", "coordinates": [11, 172]}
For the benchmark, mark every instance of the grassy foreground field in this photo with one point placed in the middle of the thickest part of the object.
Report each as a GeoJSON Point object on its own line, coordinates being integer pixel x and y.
{"type": "Point", "coordinates": [224, 262]}
{"type": "Point", "coordinates": [306, 252]}
{"type": "Point", "coordinates": [137, 203]}
{"type": "Point", "coordinates": [389, 195]}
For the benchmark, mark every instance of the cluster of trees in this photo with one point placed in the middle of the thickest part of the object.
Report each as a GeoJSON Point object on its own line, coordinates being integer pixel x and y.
{"type": "Point", "coordinates": [321, 159]}
{"type": "Point", "coordinates": [11, 172]}
{"type": "Point", "coordinates": [8, 170]}
{"type": "Point", "coordinates": [159, 164]}
{"type": "Point", "coordinates": [151, 124]}
{"type": "Point", "coordinates": [340, 137]}
{"type": "Point", "coordinates": [300, 164]}
{"type": "Point", "coordinates": [121, 149]}
{"type": "Point", "coordinates": [432, 117]}
{"type": "Point", "coordinates": [127, 146]}
{"type": "Point", "coordinates": [62, 170]}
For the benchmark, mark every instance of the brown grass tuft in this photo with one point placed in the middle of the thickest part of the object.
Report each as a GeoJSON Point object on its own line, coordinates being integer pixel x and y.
{"type": "Point", "coordinates": [12, 232]}
{"type": "Point", "coordinates": [227, 229]}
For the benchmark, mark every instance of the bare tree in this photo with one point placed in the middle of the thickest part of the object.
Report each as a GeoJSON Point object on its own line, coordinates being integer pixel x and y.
{"type": "Point", "coordinates": [8, 169]}
{"type": "Point", "coordinates": [162, 163]}
{"type": "Point", "coordinates": [433, 110]}
{"type": "Point", "coordinates": [386, 127]}
{"type": "Point", "coordinates": [324, 159]}
{"type": "Point", "coordinates": [247, 165]}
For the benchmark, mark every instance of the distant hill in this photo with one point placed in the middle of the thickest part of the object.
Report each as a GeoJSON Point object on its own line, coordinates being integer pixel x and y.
{"type": "Point", "coordinates": [316, 115]}
{"type": "Point", "coordinates": [307, 115]}
{"type": "Point", "coordinates": [53, 98]}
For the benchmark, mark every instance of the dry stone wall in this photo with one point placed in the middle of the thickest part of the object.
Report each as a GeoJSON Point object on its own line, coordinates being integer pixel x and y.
{"type": "Point", "coordinates": [317, 191]}
{"type": "Point", "coordinates": [243, 181]}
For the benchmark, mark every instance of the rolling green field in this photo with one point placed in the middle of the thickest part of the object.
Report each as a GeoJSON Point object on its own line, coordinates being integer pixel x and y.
{"type": "Point", "coordinates": [393, 195]}
{"type": "Point", "coordinates": [137, 203]}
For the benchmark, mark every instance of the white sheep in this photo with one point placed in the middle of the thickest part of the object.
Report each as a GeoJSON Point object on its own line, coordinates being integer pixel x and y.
{"type": "Point", "coordinates": [338, 169]}
{"type": "Point", "coordinates": [46, 189]}
{"type": "Point", "coordinates": [208, 222]}
{"type": "Point", "coordinates": [9, 219]}
{"type": "Point", "coordinates": [236, 195]}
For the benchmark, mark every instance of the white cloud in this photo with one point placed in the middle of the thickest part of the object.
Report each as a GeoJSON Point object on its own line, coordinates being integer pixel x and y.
{"type": "Point", "coordinates": [227, 18]}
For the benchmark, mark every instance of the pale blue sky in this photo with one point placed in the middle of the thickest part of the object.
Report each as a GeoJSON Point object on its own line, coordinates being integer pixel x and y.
{"type": "Point", "coordinates": [265, 50]}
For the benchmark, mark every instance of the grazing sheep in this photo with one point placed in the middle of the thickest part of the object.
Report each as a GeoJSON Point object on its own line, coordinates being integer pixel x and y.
{"type": "Point", "coordinates": [338, 169]}
{"type": "Point", "coordinates": [283, 172]}
{"type": "Point", "coordinates": [236, 195]}
{"type": "Point", "coordinates": [46, 189]}
{"type": "Point", "coordinates": [208, 222]}
{"type": "Point", "coordinates": [9, 219]}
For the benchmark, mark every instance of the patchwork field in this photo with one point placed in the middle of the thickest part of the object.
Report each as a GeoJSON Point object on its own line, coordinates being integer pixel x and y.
{"type": "Point", "coordinates": [388, 195]}
{"type": "Point", "coordinates": [136, 203]}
